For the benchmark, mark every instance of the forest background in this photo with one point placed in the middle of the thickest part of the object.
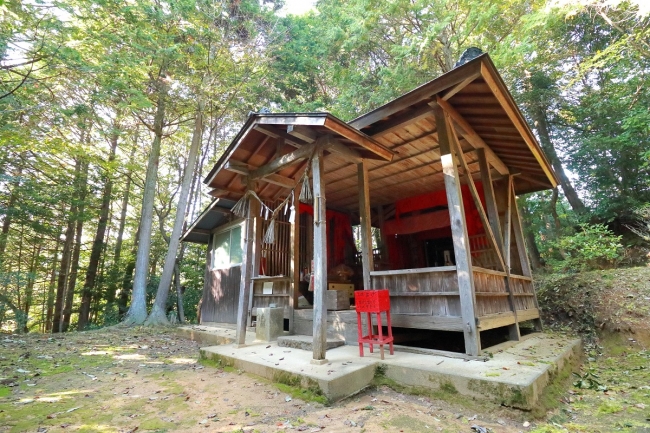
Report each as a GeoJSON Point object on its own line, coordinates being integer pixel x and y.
{"type": "Point", "coordinates": [112, 112]}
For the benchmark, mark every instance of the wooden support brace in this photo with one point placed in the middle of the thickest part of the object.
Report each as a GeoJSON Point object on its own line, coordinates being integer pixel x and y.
{"type": "Point", "coordinates": [477, 200]}
{"type": "Point", "coordinates": [472, 136]}
{"type": "Point", "coordinates": [245, 286]}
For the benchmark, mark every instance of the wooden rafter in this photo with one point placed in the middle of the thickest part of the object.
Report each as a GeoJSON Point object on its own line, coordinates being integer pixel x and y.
{"type": "Point", "coordinates": [471, 136]}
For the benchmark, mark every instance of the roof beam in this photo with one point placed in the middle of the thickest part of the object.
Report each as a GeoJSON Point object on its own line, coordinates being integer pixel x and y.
{"type": "Point", "coordinates": [400, 121]}
{"type": "Point", "coordinates": [289, 158]}
{"type": "Point", "coordinates": [460, 86]}
{"type": "Point", "coordinates": [471, 136]}
{"type": "Point", "coordinates": [335, 146]}
{"type": "Point", "coordinates": [377, 150]}
{"type": "Point", "coordinates": [274, 133]}
{"type": "Point", "coordinates": [245, 170]}
{"type": "Point", "coordinates": [218, 192]}
{"type": "Point", "coordinates": [517, 119]}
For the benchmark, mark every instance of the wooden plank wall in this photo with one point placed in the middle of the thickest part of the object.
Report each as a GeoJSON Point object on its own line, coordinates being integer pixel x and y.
{"type": "Point", "coordinates": [491, 293]}
{"type": "Point", "coordinates": [280, 296]}
{"type": "Point", "coordinates": [221, 295]}
{"type": "Point", "coordinates": [524, 292]}
{"type": "Point", "coordinates": [423, 293]}
{"type": "Point", "coordinates": [278, 254]}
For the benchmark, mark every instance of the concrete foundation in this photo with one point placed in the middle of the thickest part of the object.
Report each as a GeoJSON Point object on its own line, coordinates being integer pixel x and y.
{"type": "Point", "coordinates": [304, 342]}
{"type": "Point", "coordinates": [515, 375]}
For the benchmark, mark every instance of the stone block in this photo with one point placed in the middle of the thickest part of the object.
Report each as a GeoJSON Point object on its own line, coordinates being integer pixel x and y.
{"type": "Point", "coordinates": [270, 323]}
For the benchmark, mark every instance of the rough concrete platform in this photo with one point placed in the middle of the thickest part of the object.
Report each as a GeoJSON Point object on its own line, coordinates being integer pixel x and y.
{"type": "Point", "coordinates": [305, 342]}
{"type": "Point", "coordinates": [515, 375]}
{"type": "Point", "coordinates": [212, 334]}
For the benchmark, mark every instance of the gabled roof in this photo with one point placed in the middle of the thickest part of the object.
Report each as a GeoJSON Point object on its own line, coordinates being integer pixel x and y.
{"type": "Point", "coordinates": [399, 141]}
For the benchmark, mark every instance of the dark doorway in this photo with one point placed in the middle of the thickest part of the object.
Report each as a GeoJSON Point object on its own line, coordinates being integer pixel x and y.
{"type": "Point", "coordinates": [439, 252]}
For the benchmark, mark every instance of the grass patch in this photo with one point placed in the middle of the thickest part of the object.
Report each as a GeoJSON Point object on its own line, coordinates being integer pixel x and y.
{"type": "Point", "coordinates": [5, 391]}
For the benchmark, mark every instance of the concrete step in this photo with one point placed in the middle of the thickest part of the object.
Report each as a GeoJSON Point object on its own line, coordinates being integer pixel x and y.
{"type": "Point", "coordinates": [304, 342]}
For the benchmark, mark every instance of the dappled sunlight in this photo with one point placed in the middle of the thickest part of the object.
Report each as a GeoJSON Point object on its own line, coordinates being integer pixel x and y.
{"type": "Point", "coordinates": [96, 352]}
{"type": "Point", "coordinates": [182, 360]}
{"type": "Point", "coordinates": [130, 357]}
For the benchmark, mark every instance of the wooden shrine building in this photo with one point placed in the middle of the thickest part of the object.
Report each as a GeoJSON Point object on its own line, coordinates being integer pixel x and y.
{"type": "Point", "coordinates": [428, 182]}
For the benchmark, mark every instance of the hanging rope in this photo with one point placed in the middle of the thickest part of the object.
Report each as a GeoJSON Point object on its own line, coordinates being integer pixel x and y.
{"type": "Point", "coordinates": [242, 207]}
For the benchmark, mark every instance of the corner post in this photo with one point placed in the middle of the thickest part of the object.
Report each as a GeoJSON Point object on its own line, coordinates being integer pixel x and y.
{"type": "Point", "coordinates": [294, 260]}
{"type": "Point", "coordinates": [320, 261]}
{"type": "Point", "coordinates": [246, 275]}
{"type": "Point", "coordinates": [366, 224]}
{"type": "Point", "coordinates": [459, 233]}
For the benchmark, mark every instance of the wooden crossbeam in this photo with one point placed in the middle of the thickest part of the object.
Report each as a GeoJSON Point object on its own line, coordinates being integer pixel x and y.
{"type": "Point", "coordinates": [309, 136]}
{"type": "Point", "coordinates": [220, 192]}
{"type": "Point", "coordinates": [283, 161]}
{"type": "Point", "coordinates": [245, 170]}
{"type": "Point", "coordinates": [490, 199]}
{"type": "Point", "coordinates": [471, 136]}
{"type": "Point", "coordinates": [474, 192]}
{"type": "Point", "coordinates": [275, 133]}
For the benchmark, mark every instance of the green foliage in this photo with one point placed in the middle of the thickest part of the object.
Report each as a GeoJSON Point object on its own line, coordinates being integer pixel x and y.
{"type": "Point", "coordinates": [591, 247]}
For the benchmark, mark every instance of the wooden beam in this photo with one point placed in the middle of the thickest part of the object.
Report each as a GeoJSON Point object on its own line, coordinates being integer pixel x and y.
{"type": "Point", "coordinates": [286, 160]}
{"type": "Point", "coordinates": [460, 86]}
{"type": "Point", "coordinates": [477, 200]}
{"type": "Point", "coordinates": [245, 170]}
{"type": "Point", "coordinates": [377, 150]}
{"type": "Point", "coordinates": [472, 136]}
{"type": "Point", "coordinates": [518, 121]}
{"type": "Point", "coordinates": [294, 257]}
{"type": "Point", "coordinates": [400, 121]}
{"type": "Point", "coordinates": [275, 133]}
{"type": "Point", "coordinates": [519, 237]}
{"type": "Point", "coordinates": [367, 261]}
{"type": "Point", "coordinates": [220, 192]}
{"type": "Point", "coordinates": [460, 237]}
{"type": "Point", "coordinates": [303, 133]}
{"type": "Point", "coordinates": [220, 210]}
{"type": "Point", "coordinates": [507, 224]}
{"type": "Point", "coordinates": [424, 92]}
{"type": "Point", "coordinates": [319, 343]}
{"type": "Point", "coordinates": [490, 200]}
{"type": "Point", "coordinates": [337, 147]}
{"type": "Point", "coordinates": [245, 285]}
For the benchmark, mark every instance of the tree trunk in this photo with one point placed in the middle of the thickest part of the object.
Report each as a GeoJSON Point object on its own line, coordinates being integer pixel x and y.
{"type": "Point", "coordinates": [98, 242]}
{"type": "Point", "coordinates": [179, 294]}
{"type": "Point", "coordinates": [115, 268]}
{"type": "Point", "coordinates": [50, 289]}
{"type": "Point", "coordinates": [31, 279]}
{"type": "Point", "coordinates": [64, 268]}
{"type": "Point", "coordinates": [137, 313]}
{"type": "Point", "coordinates": [6, 224]}
{"type": "Point", "coordinates": [541, 124]}
{"type": "Point", "coordinates": [158, 312]}
{"type": "Point", "coordinates": [81, 189]}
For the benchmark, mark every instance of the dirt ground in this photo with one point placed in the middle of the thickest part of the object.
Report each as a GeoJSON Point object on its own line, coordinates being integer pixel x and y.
{"type": "Point", "coordinates": [127, 380]}
{"type": "Point", "coordinates": [151, 380]}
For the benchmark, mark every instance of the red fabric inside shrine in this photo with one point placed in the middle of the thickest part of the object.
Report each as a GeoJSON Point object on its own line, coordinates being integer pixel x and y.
{"type": "Point", "coordinates": [406, 232]}
{"type": "Point", "coordinates": [340, 242]}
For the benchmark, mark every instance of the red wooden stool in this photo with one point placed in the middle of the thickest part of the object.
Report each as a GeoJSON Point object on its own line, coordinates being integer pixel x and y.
{"type": "Point", "coordinates": [373, 302]}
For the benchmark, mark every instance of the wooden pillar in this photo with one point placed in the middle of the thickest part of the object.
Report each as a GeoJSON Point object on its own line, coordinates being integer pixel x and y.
{"type": "Point", "coordinates": [383, 246]}
{"type": "Point", "coordinates": [366, 224]}
{"type": "Point", "coordinates": [248, 258]}
{"type": "Point", "coordinates": [459, 234]}
{"type": "Point", "coordinates": [294, 258]}
{"type": "Point", "coordinates": [256, 254]}
{"type": "Point", "coordinates": [320, 261]}
{"type": "Point", "coordinates": [493, 215]}
{"type": "Point", "coordinates": [521, 248]}
{"type": "Point", "coordinates": [207, 279]}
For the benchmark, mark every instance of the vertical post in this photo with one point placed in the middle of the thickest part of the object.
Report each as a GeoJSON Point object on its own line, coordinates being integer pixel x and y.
{"type": "Point", "coordinates": [256, 254]}
{"type": "Point", "coordinates": [207, 279]}
{"type": "Point", "coordinates": [459, 234]}
{"type": "Point", "coordinates": [246, 274]}
{"type": "Point", "coordinates": [366, 224]}
{"type": "Point", "coordinates": [382, 244]}
{"type": "Point", "coordinates": [320, 261]}
{"type": "Point", "coordinates": [521, 248]}
{"type": "Point", "coordinates": [493, 214]}
{"type": "Point", "coordinates": [294, 258]}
